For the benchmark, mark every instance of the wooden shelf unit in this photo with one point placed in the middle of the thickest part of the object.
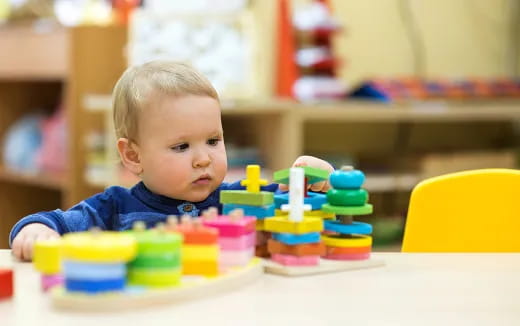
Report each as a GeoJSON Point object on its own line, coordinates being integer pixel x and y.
{"type": "Point", "coordinates": [42, 69]}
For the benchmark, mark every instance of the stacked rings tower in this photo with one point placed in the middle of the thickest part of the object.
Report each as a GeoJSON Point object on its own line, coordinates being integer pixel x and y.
{"type": "Point", "coordinates": [47, 260]}
{"type": "Point", "coordinates": [253, 202]}
{"type": "Point", "coordinates": [95, 262]}
{"type": "Point", "coordinates": [296, 237]}
{"type": "Point", "coordinates": [158, 260]}
{"type": "Point", "coordinates": [347, 239]}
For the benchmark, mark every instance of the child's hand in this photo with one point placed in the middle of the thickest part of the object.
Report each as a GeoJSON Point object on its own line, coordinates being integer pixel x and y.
{"type": "Point", "coordinates": [28, 235]}
{"type": "Point", "coordinates": [314, 162]}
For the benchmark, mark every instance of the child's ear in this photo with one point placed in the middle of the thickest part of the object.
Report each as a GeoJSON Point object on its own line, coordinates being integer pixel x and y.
{"type": "Point", "coordinates": [129, 153]}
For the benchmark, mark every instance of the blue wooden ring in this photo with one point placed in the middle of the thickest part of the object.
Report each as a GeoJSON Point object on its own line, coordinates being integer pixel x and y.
{"type": "Point", "coordinates": [347, 179]}
{"type": "Point", "coordinates": [294, 239]}
{"type": "Point", "coordinates": [89, 271]}
{"type": "Point", "coordinates": [97, 286]}
{"type": "Point", "coordinates": [354, 228]}
{"type": "Point", "coordinates": [315, 199]}
{"type": "Point", "coordinates": [260, 212]}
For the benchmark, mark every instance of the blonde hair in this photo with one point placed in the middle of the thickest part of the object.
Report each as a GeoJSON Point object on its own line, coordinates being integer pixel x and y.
{"type": "Point", "coordinates": [133, 90]}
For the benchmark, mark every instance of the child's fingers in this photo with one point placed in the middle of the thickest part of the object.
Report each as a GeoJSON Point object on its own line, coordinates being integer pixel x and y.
{"type": "Point", "coordinates": [318, 186]}
{"type": "Point", "coordinates": [27, 248]}
{"type": "Point", "coordinates": [299, 163]}
{"type": "Point", "coordinates": [283, 187]}
{"type": "Point", "coordinates": [17, 246]}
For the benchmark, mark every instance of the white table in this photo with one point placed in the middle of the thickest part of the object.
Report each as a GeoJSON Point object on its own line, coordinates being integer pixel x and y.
{"type": "Point", "coordinates": [412, 289]}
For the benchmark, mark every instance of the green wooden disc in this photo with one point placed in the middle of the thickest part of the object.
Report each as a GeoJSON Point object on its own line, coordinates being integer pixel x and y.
{"type": "Point", "coordinates": [153, 242]}
{"type": "Point", "coordinates": [167, 260]}
{"type": "Point", "coordinates": [344, 197]}
{"type": "Point", "coordinates": [313, 175]}
{"type": "Point", "coordinates": [348, 210]}
{"type": "Point", "coordinates": [154, 277]}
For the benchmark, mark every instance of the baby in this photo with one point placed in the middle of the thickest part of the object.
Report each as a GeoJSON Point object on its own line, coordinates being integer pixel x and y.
{"type": "Point", "coordinates": [168, 123]}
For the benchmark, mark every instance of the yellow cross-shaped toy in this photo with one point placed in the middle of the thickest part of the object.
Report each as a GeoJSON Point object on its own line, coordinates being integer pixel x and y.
{"type": "Point", "coordinates": [253, 181]}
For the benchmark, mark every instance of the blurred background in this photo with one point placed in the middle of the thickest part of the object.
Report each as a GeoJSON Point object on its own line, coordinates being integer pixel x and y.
{"type": "Point", "coordinates": [401, 89]}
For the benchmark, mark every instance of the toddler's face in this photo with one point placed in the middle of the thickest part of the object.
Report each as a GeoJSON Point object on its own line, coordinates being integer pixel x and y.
{"type": "Point", "coordinates": [181, 147]}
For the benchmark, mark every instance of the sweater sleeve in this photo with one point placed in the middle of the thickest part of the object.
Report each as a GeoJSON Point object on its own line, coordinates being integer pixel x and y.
{"type": "Point", "coordinates": [97, 210]}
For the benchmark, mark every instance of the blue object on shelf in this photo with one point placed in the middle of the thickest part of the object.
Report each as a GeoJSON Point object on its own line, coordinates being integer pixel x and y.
{"type": "Point", "coordinates": [369, 91]}
{"type": "Point", "coordinates": [22, 142]}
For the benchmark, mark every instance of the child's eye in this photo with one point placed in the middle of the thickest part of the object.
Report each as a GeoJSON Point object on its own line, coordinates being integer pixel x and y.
{"type": "Point", "coordinates": [181, 147]}
{"type": "Point", "coordinates": [213, 141]}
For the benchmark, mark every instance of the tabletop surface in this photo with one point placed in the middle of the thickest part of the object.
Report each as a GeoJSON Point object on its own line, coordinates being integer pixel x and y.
{"type": "Point", "coordinates": [412, 289]}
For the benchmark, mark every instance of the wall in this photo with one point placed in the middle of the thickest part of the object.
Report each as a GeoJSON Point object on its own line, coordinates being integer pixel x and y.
{"type": "Point", "coordinates": [461, 38]}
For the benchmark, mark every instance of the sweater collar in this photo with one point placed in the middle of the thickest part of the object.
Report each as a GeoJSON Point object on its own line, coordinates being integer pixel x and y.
{"type": "Point", "coordinates": [169, 205]}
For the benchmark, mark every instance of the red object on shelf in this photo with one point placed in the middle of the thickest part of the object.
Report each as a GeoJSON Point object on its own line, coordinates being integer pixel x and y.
{"type": "Point", "coordinates": [124, 9]}
{"type": "Point", "coordinates": [286, 69]}
{"type": "Point", "coordinates": [6, 283]}
{"type": "Point", "coordinates": [326, 64]}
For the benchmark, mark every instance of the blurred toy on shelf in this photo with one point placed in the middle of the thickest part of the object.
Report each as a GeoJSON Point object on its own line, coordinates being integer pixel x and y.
{"type": "Point", "coordinates": [395, 89]}
{"type": "Point", "coordinates": [306, 62]}
{"type": "Point", "coordinates": [52, 155]}
{"type": "Point", "coordinates": [22, 141]}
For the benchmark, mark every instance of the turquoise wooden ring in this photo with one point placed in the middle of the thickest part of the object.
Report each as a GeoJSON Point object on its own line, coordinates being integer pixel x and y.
{"type": "Point", "coordinates": [347, 179]}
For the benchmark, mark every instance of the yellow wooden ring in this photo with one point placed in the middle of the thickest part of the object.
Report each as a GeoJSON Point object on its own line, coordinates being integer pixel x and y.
{"type": "Point", "coordinates": [316, 213]}
{"type": "Point", "coordinates": [357, 241]}
{"type": "Point", "coordinates": [46, 257]}
{"type": "Point", "coordinates": [99, 247]}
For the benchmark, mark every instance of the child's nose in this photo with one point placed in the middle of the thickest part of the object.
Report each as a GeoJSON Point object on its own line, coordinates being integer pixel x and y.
{"type": "Point", "coordinates": [202, 159]}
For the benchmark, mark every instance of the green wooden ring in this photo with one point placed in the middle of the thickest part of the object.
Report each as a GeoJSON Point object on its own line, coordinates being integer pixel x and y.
{"type": "Point", "coordinates": [348, 210]}
{"type": "Point", "coordinates": [343, 197]}
{"type": "Point", "coordinates": [156, 261]}
{"type": "Point", "coordinates": [154, 277]}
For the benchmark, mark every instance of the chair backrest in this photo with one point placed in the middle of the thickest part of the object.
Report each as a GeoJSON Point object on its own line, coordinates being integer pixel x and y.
{"type": "Point", "coordinates": [471, 211]}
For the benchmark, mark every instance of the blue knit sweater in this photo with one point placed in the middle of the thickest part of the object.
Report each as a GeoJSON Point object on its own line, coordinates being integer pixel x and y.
{"type": "Point", "coordinates": [117, 208]}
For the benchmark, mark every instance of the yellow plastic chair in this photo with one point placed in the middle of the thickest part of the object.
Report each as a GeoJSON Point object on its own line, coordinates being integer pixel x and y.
{"type": "Point", "coordinates": [471, 211]}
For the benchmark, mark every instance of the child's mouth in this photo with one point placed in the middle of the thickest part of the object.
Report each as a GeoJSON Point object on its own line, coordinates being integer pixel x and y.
{"type": "Point", "coordinates": [203, 180]}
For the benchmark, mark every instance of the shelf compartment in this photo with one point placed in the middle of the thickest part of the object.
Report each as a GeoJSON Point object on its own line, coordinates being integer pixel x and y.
{"type": "Point", "coordinates": [30, 53]}
{"type": "Point", "coordinates": [42, 180]}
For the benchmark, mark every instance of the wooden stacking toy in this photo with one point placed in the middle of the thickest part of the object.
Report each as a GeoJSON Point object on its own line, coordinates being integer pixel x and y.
{"type": "Point", "coordinates": [47, 260]}
{"type": "Point", "coordinates": [314, 199]}
{"type": "Point", "coordinates": [158, 259]}
{"type": "Point", "coordinates": [95, 262]}
{"type": "Point", "coordinates": [347, 239]}
{"type": "Point", "coordinates": [296, 239]}
{"type": "Point", "coordinates": [236, 236]}
{"type": "Point", "coordinates": [253, 202]}
{"type": "Point", "coordinates": [200, 250]}
{"type": "Point", "coordinates": [108, 271]}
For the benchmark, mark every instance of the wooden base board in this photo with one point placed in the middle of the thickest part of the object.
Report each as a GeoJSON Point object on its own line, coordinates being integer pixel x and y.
{"type": "Point", "coordinates": [191, 288]}
{"type": "Point", "coordinates": [325, 266]}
